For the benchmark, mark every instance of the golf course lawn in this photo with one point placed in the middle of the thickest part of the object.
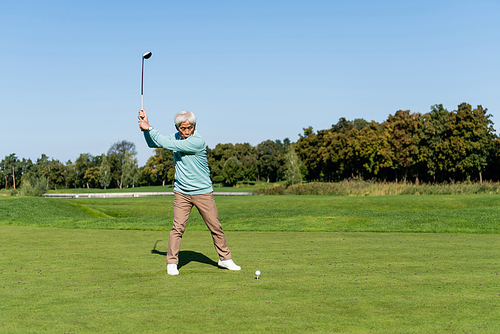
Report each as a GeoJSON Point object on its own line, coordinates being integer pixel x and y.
{"type": "Point", "coordinates": [85, 277]}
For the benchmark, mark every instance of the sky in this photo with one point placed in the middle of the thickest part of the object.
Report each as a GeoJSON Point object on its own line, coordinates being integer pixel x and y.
{"type": "Point", "coordinates": [250, 70]}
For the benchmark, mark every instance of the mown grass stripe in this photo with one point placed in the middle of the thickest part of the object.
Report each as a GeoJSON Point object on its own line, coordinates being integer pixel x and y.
{"type": "Point", "coordinates": [427, 214]}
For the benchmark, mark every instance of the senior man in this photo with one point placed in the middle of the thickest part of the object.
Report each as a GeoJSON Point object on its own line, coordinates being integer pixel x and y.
{"type": "Point", "coordinates": [192, 185]}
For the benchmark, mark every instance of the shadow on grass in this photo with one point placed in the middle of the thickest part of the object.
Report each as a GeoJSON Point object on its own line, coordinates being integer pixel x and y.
{"type": "Point", "coordinates": [187, 256]}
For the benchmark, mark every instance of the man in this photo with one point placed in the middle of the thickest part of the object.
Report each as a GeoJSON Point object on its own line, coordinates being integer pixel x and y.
{"type": "Point", "coordinates": [192, 185]}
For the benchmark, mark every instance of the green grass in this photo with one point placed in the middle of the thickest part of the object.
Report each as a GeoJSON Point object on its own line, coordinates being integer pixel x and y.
{"type": "Point", "coordinates": [429, 214]}
{"type": "Point", "coordinates": [359, 187]}
{"type": "Point", "coordinates": [348, 187]}
{"type": "Point", "coordinates": [329, 265]}
{"type": "Point", "coordinates": [82, 281]}
{"type": "Point", "coordinates": [167, 188]}
{"type": "Point", "coordinates": [241, 187]}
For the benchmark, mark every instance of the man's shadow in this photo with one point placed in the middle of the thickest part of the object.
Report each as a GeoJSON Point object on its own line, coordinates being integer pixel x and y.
{"type": "Point", "coordinates": [187, 256]}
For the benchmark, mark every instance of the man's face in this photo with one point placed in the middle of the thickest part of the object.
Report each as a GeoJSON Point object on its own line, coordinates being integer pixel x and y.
{"type": "Point", "coordinates": [186, 129]}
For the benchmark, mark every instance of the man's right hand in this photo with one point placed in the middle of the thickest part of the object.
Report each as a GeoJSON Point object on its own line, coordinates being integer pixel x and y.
{"type": "Point", "coordinates": [143, 120]}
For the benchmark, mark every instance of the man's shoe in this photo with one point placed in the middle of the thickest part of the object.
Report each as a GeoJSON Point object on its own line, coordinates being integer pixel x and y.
{"type": "Point", "coordinates": [229, 264]}
{"type": "Point", "coordinates": [172, 269]}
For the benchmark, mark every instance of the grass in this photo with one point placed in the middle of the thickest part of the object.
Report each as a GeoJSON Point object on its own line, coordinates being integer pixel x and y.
{"type": "Point", "coordinates": [329, 265]}
{"type": "Point", "coordinates": [425, 213]}
{"type": "Point", "coordinates": [241, 187]}
{"type": "Point", "coordinates": [348, 187]}
{"type": "Point", "coordinates": [359, 187]}
{"type": "Point", "coordinates": [59, 280]}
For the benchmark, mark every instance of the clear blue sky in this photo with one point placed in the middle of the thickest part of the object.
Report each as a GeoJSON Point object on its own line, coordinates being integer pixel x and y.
{"type": "Point", "coordinates": [250, 70]}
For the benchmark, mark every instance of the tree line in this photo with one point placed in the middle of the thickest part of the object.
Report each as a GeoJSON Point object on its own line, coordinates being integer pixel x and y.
{"type": "Point", "coordinates": [268, 161]}
{"type": "Point", "coordinates": [433, 147]}
{"type": "Point", "coordinates": [437, 146]}
{"type": "Point", "coordinates": [116, 169]}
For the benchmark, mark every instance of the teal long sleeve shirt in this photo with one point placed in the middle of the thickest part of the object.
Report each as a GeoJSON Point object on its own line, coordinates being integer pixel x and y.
{"type": "Point", "coordinates": [192, 174]}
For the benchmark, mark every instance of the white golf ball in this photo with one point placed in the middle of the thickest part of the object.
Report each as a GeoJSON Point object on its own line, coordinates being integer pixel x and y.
{"type": "Point", "coordinates": [257, 272]}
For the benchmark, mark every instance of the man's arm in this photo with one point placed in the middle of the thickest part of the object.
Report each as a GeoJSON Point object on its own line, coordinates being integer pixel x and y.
{"type": "Point", "coordinates": [149, 140]}
{"type": "Point", "coordinates": [190, 145]}
{"type": "Point", "coordinates": [145, 127]}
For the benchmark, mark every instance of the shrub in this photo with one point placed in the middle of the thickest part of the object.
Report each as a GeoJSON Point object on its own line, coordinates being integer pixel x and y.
{"type": "Point", "coordinates": [38, 189]}
{"type": "Point", "coordinates": [359, 187]}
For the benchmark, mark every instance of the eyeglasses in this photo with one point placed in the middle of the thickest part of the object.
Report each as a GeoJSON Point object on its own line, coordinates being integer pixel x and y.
{"type": "Point", "coordinates": [184, 128]}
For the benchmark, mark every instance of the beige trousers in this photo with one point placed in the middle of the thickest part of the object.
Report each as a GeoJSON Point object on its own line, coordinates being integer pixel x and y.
{"type": "Point", "coordinates": [205, 204]}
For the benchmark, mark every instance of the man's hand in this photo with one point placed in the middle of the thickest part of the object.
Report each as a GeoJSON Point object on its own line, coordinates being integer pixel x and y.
{"type": "Point", "coordinates": [143, 120]}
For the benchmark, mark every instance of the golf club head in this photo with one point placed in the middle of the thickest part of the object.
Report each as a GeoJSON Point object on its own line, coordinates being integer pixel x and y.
{"type": "Point", "coordinates": [147, 55]}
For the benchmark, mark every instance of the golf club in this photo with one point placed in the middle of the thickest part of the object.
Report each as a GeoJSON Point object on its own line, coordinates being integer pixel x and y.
{"type": "Point", "coordinates": [146, 55]}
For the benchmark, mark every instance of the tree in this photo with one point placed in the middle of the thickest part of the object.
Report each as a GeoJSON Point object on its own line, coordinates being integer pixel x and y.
{"type": "Point", "coordinates": [435, 134]}
{"type": "Point", "coordinates": [359, 123]}
{"type": "Point", "coordinates": [406, 131]}
{"type": "Point", "coordinates": [217, 158]}
{"type": "Point", "coordinates": [116, 159]}
{"type": "Point", "coordinates": [250, 168]}
{"type": "Point", "coordinates": [130, 174]}
{"type": "Point", "coordinates": [338, 151]}
{"type": "Point", "coordinates": [232, 170]}
{"type": "Point", "coordinates": [105, 173]}
{"type": "Point", "coordinates": [270, 160]}
{"type": "Point", "coordinates": [472, 139]}
{"type": "Point", "coordinates": [493, 168]}
{"type": "Point", "coordinates": [373, 151]}
{"type": "Point", "coordinates": [56, 174]}
{"type": "Point", "coordinates": [70, 176]}
{"type": "Point", "coordinates": [43, 168]}
{"type": "Point", "coordinates": [247, 155]}
{"type": "Point", "coordinates": [307, 150]}
{"type": "Point", "coordinates": [160, 167]}
{"type": "Point", "coordinates": [10, 170]}
{"type": "Point", "coordinates": [82, 163]}
{"type": "Point", "coordinates": [292, 167]}
{"type": "Point", "coordinates": [92, 176]}
{"type": "Point", "coordinates": [26, 166]}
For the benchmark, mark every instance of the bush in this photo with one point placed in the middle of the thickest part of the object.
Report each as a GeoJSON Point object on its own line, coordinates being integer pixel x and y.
{"type": "Point", "coordinates": [218, 179]}
{"type": "Point", "coordinates": [359, 187]}
{"type": "Point", "coordinates": [38, 189]}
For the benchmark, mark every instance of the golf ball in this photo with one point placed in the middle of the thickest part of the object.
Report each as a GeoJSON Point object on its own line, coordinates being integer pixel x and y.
{"type": "Point", "coordinates": [257, 272]}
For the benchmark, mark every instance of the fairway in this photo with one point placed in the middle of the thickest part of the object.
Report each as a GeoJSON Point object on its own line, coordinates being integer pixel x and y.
{"type": "Point", "coordinates": [408, 213]}
{"type": "Point", "coordinates": [324, 268]}
{"type": "Point", "coordinates": [56, 280]}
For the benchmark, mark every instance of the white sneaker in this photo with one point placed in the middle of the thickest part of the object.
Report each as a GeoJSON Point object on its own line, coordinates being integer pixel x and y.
{"type": "Point", "coordinates": [172, 269]}
{"type": "Point", "coordinates": [229, 264]}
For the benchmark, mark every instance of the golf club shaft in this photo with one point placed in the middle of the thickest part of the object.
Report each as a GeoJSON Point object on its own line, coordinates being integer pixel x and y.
{"type": "Point", "coordinates": [142, 84]}
{"type": "Point", "coordinates": [146, 55]}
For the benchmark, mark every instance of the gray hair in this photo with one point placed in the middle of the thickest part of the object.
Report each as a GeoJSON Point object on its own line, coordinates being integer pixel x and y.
{"type": "Point", "coordinates": [183, 116]}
